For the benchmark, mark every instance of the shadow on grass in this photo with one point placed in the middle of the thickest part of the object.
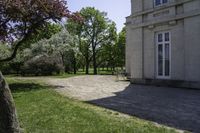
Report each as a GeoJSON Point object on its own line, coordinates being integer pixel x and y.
{"type": "Point", "coordinates": [25, 87]}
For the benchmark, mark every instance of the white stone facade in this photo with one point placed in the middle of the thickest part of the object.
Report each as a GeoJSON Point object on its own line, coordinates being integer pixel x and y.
{"type": "Point", "coordinates": [153, 56]}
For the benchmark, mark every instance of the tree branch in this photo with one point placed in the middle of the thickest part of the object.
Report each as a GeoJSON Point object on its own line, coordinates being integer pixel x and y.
{"type": "Point", "coordinates": [14, 53]}
{"type": "Point", "coordinates": [25, 38]}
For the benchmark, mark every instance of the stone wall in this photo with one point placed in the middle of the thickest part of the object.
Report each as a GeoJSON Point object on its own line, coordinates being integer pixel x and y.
{"type": "Point", "coordinates": [182, 19]}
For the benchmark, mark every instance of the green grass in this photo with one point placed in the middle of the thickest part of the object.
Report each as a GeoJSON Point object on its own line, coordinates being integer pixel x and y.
{"type": "Point", "coordinates": [100, 71]}
{"type": "Point", "coordinates": [42, 110]}
{"type": "Point", "coordinates": [67, 75]}
{"type": "Point", "coordinates": [80, 72]}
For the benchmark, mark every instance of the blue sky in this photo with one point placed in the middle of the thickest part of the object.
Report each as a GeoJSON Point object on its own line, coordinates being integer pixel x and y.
{"type": "Point", "coordinates": [117, 9]}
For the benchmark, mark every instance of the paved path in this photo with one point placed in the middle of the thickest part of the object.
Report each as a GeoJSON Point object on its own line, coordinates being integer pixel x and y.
{"type": "Point", "coordinates": [87, 88]}
{"type": "Point", "coordinates": [174, 107]}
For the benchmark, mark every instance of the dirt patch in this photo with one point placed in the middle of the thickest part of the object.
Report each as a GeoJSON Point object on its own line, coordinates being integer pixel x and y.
{"type": "Point", "coordinates": [87, 88]}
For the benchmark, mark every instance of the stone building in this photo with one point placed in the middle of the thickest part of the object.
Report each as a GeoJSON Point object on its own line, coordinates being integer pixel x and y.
{"type": "Point", "coordinates": [163, 42]}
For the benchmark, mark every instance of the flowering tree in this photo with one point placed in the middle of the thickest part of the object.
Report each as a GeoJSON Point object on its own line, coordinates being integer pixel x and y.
{"type": "Point", "coordinates": [20, 20]}
{"type": "Point", "coordinates": [60, 48]}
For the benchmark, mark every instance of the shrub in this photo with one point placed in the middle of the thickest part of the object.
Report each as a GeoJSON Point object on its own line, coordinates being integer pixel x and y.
{"type": "Point", "coordinates": [42, 65]}
{"type": "Point", "coordinates": [5, 68]}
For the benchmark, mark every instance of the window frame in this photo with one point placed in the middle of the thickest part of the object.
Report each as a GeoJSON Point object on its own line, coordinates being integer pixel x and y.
{"type": "Point", "coordinates": [163, 43]}
{"type": "Point", "coordinates": [162, 3]}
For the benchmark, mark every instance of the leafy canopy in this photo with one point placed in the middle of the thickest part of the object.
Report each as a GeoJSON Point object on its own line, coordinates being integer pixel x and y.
{"type": "Point", "coordinates": [20, 20]}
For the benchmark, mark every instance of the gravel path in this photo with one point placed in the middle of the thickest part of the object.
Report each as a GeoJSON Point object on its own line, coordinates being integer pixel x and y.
{"type": "Point", "coordinates": [87, 88]}
{"type": "Point", "coordinates": [175, 107]}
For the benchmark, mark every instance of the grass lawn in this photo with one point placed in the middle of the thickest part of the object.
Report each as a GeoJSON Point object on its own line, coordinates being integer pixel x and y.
{"type": "Point", "coordinates": [42, 110]}
{"type": "Point", "coordinates": [67, 75]}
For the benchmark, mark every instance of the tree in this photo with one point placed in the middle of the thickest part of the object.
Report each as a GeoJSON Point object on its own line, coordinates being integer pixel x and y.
{"type": "Point", "coordinates": [84, 48]}
{"type": "Point", "coordinates": [112, 53]}
{"type": "Point", "coordinates": [92, 33]}
{"type": "Point", "coordinates": [107, 54]}
{"type": "Point", "coordinates": [95, 28]}
{"type": "Point", "coordinates": [76, 29]}
{"type": "Point", "coordinates": [83, 43]}
{"type": "Point", "coordinates": [20, 21]}
{"type": "Point", "coordinates": [43, 33]}
{"type": "Point", "coordinates": [61, 47]}
{"type": "Point", "coordinates": [120, 47]}
{"type": "Point", "coordinates": [65, 46]}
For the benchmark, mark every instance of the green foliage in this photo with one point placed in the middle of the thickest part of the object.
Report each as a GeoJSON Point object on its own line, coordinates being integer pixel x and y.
{"type": "Point", "coordinates": [95, 31]}
{"type": "Point", "coordinates": [4, 50]}
{"type": "Point", "coordinates": [42, 65]}
{"type": "Point", "coordinates": [112, 53]}
{"type": "Point", "coordinates": [59, 51]}
{"type": "Point", "coordinates": [91, 42]}
{"type": "Point", "coordinates": [21, 21]}
{"type": "Point", "coordinates": [15, 66]}
{"type": "Point", "coordinates": [120, 46]}
{"type": "Point", "coordinates": [39, 58]}
{"type": "Point", "coordinates": [4, 53]}
{"type": "Point", "coordinates": [106, 56]}
{"type": "Point", "coordinates": [43, 33]}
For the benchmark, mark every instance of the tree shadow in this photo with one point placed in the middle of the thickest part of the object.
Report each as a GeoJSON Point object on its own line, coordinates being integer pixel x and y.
{"type": "Point", "coordinates": [175, 107]}
{"type": "Point", "coordinates": [26, 87]}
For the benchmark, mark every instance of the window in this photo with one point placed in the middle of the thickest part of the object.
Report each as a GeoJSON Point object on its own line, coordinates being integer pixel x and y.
{"type": "Point", "coordinates": [160, 2]}
{"type": "Point", "coordinates": [163, 43]}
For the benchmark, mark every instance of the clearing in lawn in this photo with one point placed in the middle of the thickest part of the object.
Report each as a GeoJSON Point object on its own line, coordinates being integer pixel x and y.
{"type": "Point", "coordinates": [42, 110]}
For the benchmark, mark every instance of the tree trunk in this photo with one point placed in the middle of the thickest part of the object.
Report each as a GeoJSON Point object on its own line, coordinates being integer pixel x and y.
{"type": "Point", "coordinates": [63, 59]}
{"type": "Point", "coordinates": [94, 62]}
{"type": "Point", "coordinates": [87, 63]}
{"type": "Point", "coordinates": [75, 65]}
{"type": "Point", "coordinates": [87, 68]}
{"type": "Point", "coordinates": [83, 68]}
{"type": "Point", "coordinates": [8, 117]}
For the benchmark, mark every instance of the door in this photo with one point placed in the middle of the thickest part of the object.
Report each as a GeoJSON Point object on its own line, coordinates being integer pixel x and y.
{"type": "Point", "coordinates": [163, 53]}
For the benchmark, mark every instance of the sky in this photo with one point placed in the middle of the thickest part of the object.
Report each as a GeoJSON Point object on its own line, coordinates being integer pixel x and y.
{"type": "Point", "coordinates": [117, 9]}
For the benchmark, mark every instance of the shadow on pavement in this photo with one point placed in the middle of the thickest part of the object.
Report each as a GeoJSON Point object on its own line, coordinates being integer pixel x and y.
{"type": "Point", "coordinates": [175, 107]}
